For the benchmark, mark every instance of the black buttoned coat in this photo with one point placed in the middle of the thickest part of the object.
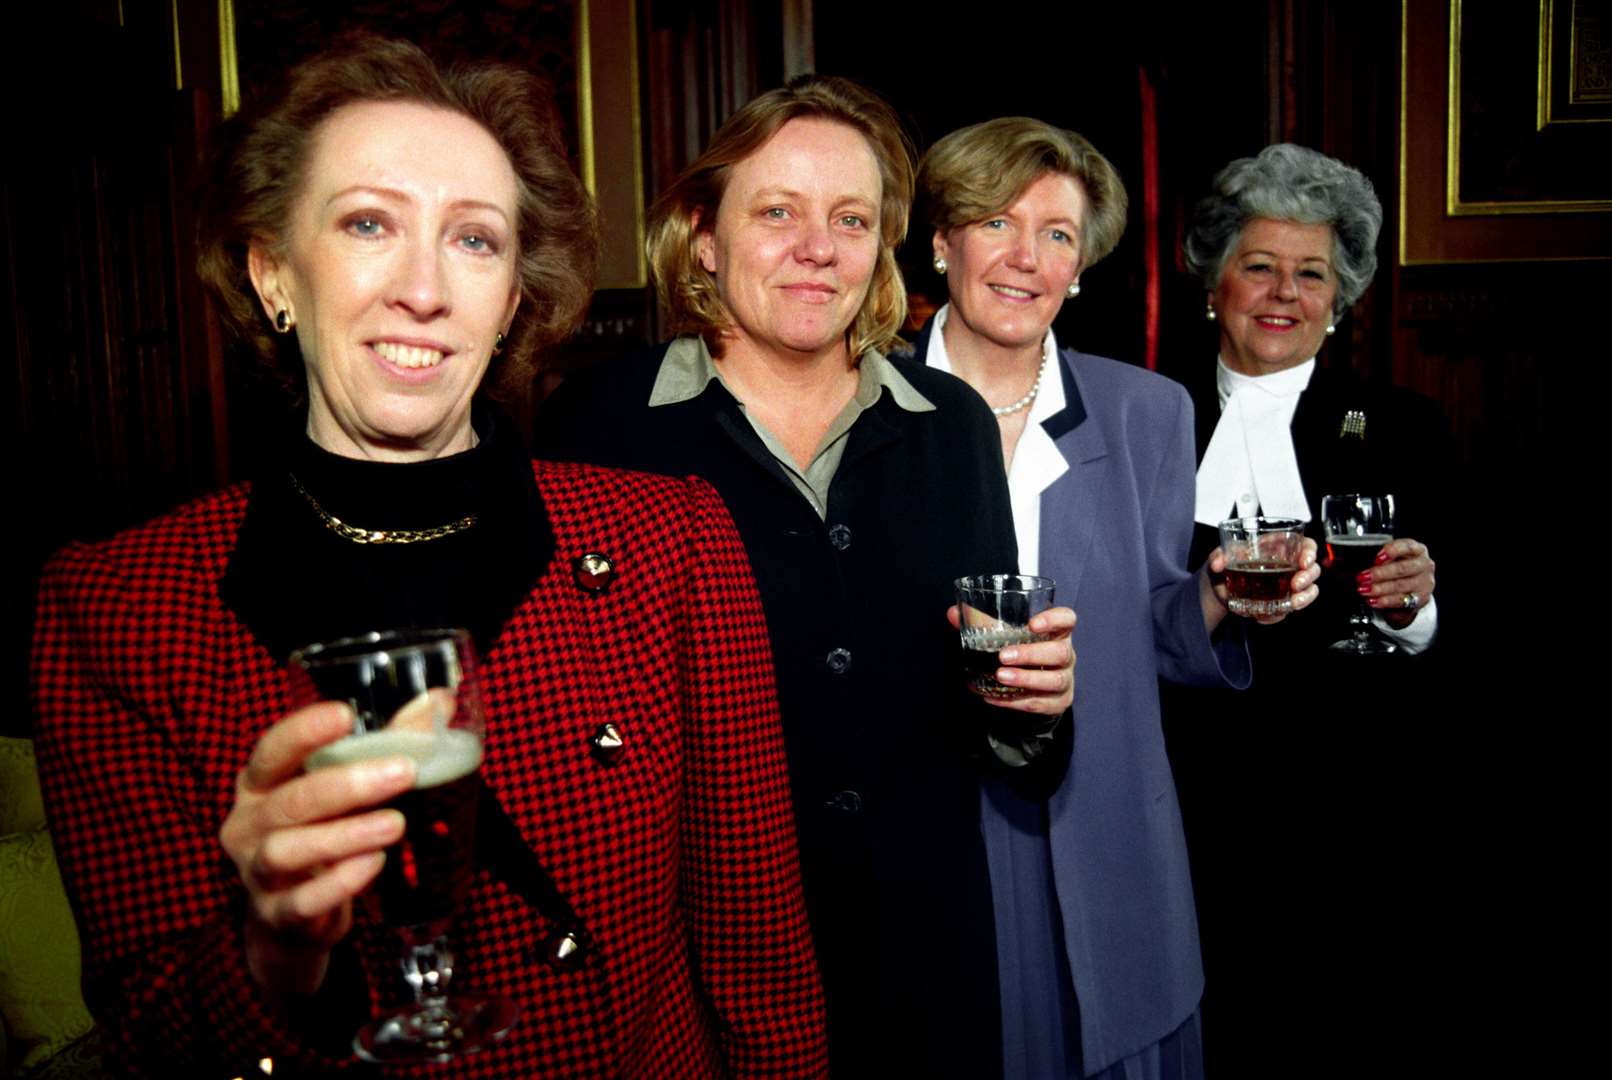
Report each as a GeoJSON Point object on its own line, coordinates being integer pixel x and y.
{"type": "Point", "coordinates": [885, 752]}
{"type": "Point", "coordinates": [1306, 795]}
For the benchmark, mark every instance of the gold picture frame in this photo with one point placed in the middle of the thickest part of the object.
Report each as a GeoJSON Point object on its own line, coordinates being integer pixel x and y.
{"type": "Point", "coordinates": [1575, 52]}
{"type": "Point", "coordinates": [1437, 224]}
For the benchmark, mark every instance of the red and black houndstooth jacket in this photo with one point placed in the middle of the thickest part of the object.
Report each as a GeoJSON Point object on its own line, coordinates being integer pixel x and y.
{"type": "Point", "coordinates": [678, 855]}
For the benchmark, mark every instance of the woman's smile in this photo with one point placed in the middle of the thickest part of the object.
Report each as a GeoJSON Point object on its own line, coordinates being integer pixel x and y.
{"type": "Point", "coordinates": [1274, 297]}
{"type": "Point", "coordinates": [796, 238]}
{"type": "Point", "coordinates": [408, 356]}
{"type": "Point", "coordinates": [1008, 275]}
{"type": "Point", "coordinates": [398, 272]}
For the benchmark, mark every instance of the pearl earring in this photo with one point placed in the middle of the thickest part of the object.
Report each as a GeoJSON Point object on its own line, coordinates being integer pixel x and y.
{"type": "Point", "coordinates": [940, 266]}
{"type": "Point", "coordinates": [1209, 311]}
{"type": "Point", "coordinates": [1074, 289]}
{"type": "Point", "coordinates": [1331, 329]}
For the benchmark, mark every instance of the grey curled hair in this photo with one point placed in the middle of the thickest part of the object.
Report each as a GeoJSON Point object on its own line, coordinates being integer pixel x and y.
{"type": "Point", "coordinates": [1285, 182]}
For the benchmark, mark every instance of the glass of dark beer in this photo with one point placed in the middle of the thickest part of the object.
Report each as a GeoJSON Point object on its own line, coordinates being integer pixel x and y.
{"type": "Point", "coordinates": [415, 693]}
{"type": "Point", "coordinates": [994, 612]}
{"type": "Point", "coordinates": [1262, 555]}
{"type": "Point", "coordinates": [1357, 527]}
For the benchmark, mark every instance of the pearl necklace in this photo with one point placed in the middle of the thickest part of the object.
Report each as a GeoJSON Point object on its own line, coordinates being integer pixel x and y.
{"type": "Point", "coordinates": [1024, 402]}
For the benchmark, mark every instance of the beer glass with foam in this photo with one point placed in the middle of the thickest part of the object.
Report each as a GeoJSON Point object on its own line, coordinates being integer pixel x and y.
{"type": "Point", "coordinates": [415, 693]}
{"type": "Point", "coordinates": [1357, 527]}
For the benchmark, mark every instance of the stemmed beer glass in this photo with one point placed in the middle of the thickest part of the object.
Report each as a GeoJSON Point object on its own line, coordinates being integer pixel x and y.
{"type": "Point", "coordinates": [415, 693]}
{"type": "Point", "coordinates": [1357, 526]}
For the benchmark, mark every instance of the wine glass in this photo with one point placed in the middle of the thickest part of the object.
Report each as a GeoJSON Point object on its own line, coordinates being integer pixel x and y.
{"type": "Point", "coordinates": [1357, 526]}
{"type": "Point", "coordinates": [415, 693]}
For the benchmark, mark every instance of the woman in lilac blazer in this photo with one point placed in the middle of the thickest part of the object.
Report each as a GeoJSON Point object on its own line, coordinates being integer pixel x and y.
{"type": "Point", "coordinates": [1096, 934]}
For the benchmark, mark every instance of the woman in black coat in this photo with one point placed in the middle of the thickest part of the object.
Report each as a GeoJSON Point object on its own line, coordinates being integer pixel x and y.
{"type": "Point", "coordinates": [1289, 791]}
{"type": "Point", "coordinates": [862, 487]}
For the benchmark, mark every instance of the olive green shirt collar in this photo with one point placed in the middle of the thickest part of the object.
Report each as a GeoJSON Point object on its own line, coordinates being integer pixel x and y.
{"type": "Point", "coordinates": [688, 369]}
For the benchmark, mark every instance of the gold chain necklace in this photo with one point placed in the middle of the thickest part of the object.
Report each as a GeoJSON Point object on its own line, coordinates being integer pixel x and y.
{"type": "Point", "coordinates": [380, 536]}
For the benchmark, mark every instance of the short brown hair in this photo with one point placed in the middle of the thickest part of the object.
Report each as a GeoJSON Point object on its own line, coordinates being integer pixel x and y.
{"type": "Point", "coordinates": [976, 172]}
{"type": "Point", "coordinates": [261, 156]}
{"type": "Point", "coordinates": [688, 291]}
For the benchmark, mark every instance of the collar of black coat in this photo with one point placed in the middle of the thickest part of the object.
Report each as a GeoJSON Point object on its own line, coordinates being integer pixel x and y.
{"type": "Point", "coordinates": [1060, 423]}
{"type": "Point", "coordinates": [1332, 392]}
{"type": "Point", "coordinates": [688, 368]}
{"type": "Point", "coordinates": [292, 580]}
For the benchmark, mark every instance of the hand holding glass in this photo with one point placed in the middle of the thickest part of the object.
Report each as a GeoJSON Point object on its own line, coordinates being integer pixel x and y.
{"type": "Point", "coordinates": [1357, 527]}
{"type": "Point", "coordinates": [1262, 555]}
{"type": "Point", "coordinates": [994, 611]}
{"type": "Point", "coordinates": [415, 694]}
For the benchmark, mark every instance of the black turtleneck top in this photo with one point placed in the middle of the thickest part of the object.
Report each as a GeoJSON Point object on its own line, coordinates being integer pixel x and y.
{"type": "Point", "coordinates": [293, 580]}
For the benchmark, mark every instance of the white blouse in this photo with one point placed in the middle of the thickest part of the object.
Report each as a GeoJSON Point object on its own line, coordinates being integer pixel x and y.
{"type": "Point", "coordinates": [1037, 461]}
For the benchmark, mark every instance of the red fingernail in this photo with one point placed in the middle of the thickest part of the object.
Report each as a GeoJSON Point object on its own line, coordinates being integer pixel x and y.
{"type": "Point", "coordinates": [1382, 557]}
{"type": "Point", "coordinates": [1364, 590]}
{"type": "Point", "coordinates": [1364, 577]}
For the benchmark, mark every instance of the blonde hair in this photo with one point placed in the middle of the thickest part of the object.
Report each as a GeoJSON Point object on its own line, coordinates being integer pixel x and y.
{"type": "Point", "coordinates": [977, 172]}
{"type": "Point", "coordinates": [688, 291]}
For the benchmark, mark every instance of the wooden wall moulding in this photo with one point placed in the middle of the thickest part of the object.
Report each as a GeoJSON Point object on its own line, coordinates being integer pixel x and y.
{"type": "Point", "coordinates": [1502, 108]}
{"type": "Point", "coordinates": [1457, 306]}
{"type": "Point", "coordinates": [611, 134]}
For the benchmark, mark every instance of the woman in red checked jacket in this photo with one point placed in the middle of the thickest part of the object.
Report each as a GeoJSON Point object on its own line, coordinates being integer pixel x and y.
{"type": "Point", "coordinates": [382, 231]}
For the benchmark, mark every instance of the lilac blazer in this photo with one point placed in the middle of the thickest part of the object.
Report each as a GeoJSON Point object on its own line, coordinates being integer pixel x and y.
{"type": "Point", "coordinates": [1115, 532]}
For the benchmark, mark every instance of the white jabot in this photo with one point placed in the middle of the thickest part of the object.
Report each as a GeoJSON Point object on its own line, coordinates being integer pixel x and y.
{"type": "Point", "coordinates": [1250, 463]}
{"type": "Point", "coordinates": [1036, 460]}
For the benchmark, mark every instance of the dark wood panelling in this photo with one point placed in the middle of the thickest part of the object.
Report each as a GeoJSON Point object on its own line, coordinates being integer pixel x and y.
{"type": "Point", "coordinates": [119, 394]}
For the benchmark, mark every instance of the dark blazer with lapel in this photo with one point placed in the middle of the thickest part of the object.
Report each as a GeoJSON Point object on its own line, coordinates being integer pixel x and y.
{"type": "Point", "coordinates": [885, 756]}
{"type": "Point", "coordinates": [1403, 451]}
{"type": "Point", "coordinates": [1305, 790]}
{"type": "Point", "coordinates": [1114, 535]}
{"type": "Point", "coordinates": [677, 855]}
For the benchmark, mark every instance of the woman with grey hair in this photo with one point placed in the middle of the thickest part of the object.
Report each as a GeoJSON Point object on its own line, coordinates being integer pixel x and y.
{"type": "Point", "coordinates": [1285, 851]}
{"type": "Point", "coordinates": [1285, 244]}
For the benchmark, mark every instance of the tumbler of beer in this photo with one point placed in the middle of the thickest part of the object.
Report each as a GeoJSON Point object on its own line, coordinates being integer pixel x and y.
{"type": "Point", "coordinates": [1357, 528]}
{"type": "Point", "coordinates": [994, 612]}
{"type": "Point", "coordinates": [416, 694]}
{"type": "Point", "coordinates": [1262, 555]}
